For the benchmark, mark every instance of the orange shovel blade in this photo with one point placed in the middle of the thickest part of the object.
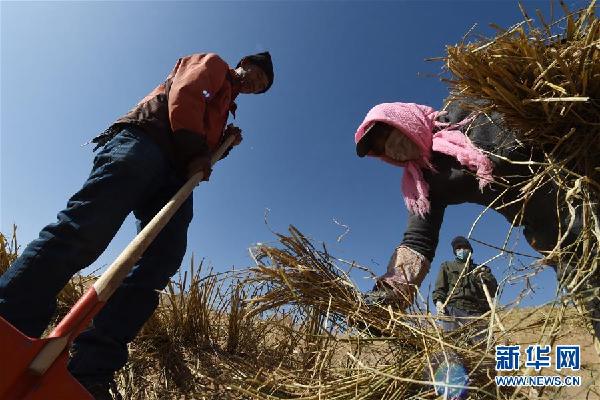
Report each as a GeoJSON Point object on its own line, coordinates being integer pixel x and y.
{"type": "Point", "coordinates": [17, 383]}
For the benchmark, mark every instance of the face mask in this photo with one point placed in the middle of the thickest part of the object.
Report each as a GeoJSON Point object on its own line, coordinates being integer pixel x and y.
{"type": "Point", "coordinates": [400, 148]}
{"type": "Point", "coordinates": [462, 254]}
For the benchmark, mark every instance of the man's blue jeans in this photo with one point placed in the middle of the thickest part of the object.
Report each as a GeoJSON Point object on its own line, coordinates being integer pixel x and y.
{"type": "Point", "coordinates": [130, 173]}
{"type": "Point", "coordinates": [462, 317]}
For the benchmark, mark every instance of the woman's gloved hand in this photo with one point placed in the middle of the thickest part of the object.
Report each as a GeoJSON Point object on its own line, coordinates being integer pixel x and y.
{"type": "Point", "coordinates": [398, 286]}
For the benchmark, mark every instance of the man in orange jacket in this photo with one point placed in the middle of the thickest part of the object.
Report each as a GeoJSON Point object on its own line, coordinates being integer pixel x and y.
{"type": "Point", "coordinates": [145, 157]}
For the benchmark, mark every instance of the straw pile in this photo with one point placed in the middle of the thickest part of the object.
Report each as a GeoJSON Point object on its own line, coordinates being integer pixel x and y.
{"type": "Point", "coordinates": [354, 350]}
{"type": "Point", "coordinates": [544, 78]}
{"type": "Point", "coordinates": [295, 326]}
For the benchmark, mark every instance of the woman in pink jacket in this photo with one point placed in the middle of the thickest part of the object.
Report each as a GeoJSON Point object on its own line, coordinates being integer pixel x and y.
{"type": "Point", "coordinates": [455, 157]}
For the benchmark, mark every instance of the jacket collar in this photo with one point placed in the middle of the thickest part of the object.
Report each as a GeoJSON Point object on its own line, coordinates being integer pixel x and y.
{"type": "Point", "coordinates": [235, 91]}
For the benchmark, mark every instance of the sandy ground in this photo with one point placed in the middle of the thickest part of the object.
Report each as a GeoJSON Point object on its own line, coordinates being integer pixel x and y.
{"type": "Point", "coordinates": [572, 332]}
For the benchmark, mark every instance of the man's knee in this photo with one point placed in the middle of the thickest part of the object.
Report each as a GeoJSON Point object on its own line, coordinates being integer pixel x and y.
{"type": "Point", "coordinates": [155, 269]}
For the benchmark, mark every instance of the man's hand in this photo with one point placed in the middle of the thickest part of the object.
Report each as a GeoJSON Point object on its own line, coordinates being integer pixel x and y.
{"type": "Point", "coordinates": [439, 306]}
{"type": "Point", "coordinates": [482, 271]}
{"type": "Point", "coordinates": [232, 130]}
{"type": "Point", "coordinates": [199, 164]}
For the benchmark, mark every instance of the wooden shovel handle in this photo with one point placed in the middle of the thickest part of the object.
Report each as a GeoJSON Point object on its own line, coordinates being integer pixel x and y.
{"type": "Point", "coordinates": [110, 280]}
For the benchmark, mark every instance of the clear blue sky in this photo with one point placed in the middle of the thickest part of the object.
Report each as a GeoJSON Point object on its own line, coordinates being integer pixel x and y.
{"type": "Point", "coordinates": [69, 69]}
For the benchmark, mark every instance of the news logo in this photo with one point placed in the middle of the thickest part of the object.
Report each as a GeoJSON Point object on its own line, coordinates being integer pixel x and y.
{"type": "Point", "coordinates": [566, 357]}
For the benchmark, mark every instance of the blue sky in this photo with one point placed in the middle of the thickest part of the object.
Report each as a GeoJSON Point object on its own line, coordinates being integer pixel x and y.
{"type": "Point", "coordinates": [69, 69]}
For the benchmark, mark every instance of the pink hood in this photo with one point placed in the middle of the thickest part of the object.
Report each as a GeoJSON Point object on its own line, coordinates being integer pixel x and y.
{"type": "Point", "coordinates": [418, 123]}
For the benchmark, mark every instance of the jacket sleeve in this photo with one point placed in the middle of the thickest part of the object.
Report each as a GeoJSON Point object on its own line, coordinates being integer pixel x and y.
{"type": "Point", "coordinates": [191, 83]}
{"type": "Point", "coordinates": [441, 285]}
{"type": "Point", "coordinates": [422, 234]}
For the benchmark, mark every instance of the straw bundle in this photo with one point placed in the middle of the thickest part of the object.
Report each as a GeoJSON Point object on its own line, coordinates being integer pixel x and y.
{"type": "Point", "coordinates": [302, 275]}
{"type": "Point", "coordinates": [288, 328]}
{"type": "Point", "coordinates": [399, 362]}
{"type": "Point", "coordinates": [544, 80]}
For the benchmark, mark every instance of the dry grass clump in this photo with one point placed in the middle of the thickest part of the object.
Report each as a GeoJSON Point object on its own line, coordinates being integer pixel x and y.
{"type": "Point", "coordinates": [354, 350]}
{"type": "Point", "coordinates": [302, 275]}
{"type": "Point", "coordinates": [295, 327]}
{"type": "Point", "coordinates": [544, 78]}
{"type": "Point", "coordinates": [8, 250]}
{"type": "Point", "coordinates": [206, 341]}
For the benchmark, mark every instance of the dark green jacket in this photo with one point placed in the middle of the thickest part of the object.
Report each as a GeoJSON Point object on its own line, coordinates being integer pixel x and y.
{"type": "Point", "coordinates": [469, 294]}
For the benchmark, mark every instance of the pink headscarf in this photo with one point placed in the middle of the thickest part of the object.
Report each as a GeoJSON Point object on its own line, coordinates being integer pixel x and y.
{"type": "Point", "coordinates": [418, 122]}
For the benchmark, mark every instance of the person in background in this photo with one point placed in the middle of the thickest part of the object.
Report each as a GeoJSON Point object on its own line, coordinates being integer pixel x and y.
{"type": "Point", "coordinates": [459, 288]}
{"type": "Point", "coordinates": [455, 156]}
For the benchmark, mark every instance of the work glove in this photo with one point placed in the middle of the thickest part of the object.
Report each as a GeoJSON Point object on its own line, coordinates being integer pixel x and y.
{"type": "Point", "coordinates": [201, 163]}
{"type": "Point", "coordinates": [482, 273]}
{"type": "Point", "coordinates": [380, 295]}
{"type": "Point", "coordinates": [398, 286]}
{"type": "Point", "coordinates": [481, 270]}
{"type": "Point", "coordinates": [231, 130]}
{"type": "Point", "coordinates": [235, 131]}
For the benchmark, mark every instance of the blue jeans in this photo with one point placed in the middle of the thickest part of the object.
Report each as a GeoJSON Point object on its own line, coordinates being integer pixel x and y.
{"type": "Point", "coordinates": [462, 317]}
{"type": "Point", "coordinates": [130, 173]}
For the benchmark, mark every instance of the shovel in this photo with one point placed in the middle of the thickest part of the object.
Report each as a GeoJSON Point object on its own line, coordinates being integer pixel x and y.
{"type": "Point", "coordinates": [36, 369]}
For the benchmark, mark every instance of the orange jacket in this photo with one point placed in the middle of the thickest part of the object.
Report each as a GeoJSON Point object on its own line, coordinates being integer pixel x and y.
{"type": "Point", "coordinates": [187, 113]}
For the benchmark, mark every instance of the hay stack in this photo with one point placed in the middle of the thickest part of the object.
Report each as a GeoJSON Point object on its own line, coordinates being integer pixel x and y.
{"type": "Point", "coordinates": [352, 350]}
{"type": "Point", "coordinates": [544, 79]}
{"type": "Point", "coordinates": [288, 331]}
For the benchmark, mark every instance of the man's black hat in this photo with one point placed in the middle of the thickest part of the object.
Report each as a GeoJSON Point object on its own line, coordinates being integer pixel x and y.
{"type": "Point", "coordinates": [262, 60]}
{"type": "Point", "coordinates": [461, 241]}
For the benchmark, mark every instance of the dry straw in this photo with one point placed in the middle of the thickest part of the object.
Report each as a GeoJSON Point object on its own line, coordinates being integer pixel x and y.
{"type": "Point", "coordinates": [295, 326]}
{"type": "Point", "coordinates": [544, 79]}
